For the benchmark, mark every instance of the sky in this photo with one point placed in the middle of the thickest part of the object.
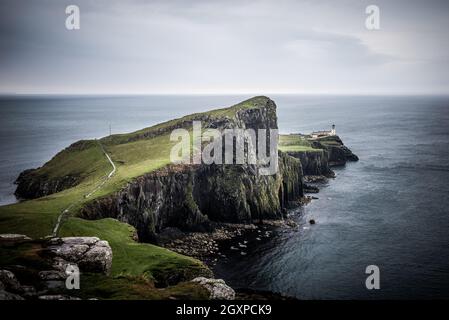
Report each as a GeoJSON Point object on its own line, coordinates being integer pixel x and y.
{"type": "Point", "coordinates": [228, 46]}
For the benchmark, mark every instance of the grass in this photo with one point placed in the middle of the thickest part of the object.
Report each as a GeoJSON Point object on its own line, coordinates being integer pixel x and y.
{"type": "Point", "coordinates": [133, 269]}
{"type": "Point", "coordinates": [253, 103]}
{"type": "Point", "coordinates": [131, 258]}
{"type": "Point", "coordinates": [137, 288]}
{"type": "Point", "coordinates": [295, 143]}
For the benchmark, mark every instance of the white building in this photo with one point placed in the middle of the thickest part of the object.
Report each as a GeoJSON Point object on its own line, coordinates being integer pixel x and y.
{"type": "Point", "coordinates": [324, 133]}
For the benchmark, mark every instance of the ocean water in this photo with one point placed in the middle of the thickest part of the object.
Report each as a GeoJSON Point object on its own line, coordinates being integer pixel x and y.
{"type": "Point", "coordinates": [390, 209]}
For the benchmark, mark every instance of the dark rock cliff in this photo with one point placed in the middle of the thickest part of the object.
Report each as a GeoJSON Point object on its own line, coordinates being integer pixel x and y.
{"type": "Point", "coordinates": [40, 182]}
{"type": "Point", "coordinates": [314, 163]}
{"type": "Point", "coordinates": [192, 197]}
{"type": "Point", "coordinates": [330, 151]}
{"type": "Point", "coordinates": [31, 185]}
{"type": "Point", "coordinates": [338, 153]}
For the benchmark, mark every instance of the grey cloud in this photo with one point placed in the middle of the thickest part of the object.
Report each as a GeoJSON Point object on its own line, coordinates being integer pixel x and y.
{"type": "Point", "coordinates": [222, 46]}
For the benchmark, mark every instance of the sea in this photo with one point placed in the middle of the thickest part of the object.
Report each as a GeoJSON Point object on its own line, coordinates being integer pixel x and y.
{"type": "Point", "coordinates": [389, 210]}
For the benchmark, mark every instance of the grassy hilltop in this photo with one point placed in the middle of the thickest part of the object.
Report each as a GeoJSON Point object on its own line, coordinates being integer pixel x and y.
{"type": "Point", "coordinates": [295, 143]}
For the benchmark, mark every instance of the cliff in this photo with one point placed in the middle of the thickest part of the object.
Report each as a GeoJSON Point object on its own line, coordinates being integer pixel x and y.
{"type": "Point", "coordinates": [154, 194]}
{"type": "Point", "coordinates": [65, 170]}
{"type": "Point", "coordinates": [338, 153]}
{"type": "Point", "coordinates": [31, 185]}
{"type": "Point", "coordinates": [317, 156]}
{"type": "Point", "coordinates": [193, 197]}
{"type": "Point", "coordinates": [314, 163]}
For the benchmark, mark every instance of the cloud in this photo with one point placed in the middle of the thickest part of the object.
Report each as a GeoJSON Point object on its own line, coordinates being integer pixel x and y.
{"type": "Point", "coordinates": [222, 46]}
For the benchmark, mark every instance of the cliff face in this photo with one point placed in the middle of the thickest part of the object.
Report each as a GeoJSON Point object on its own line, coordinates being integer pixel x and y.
{"type": "Point", "coordinates": [329, 151]}
{"type": "Point", "coordinates": [31, 185]}
{"type": "Point", "coordinates": [338, 153]}
{"type": "Point", "coordinates": [63, 171]}
{"type": "Point", "coordinates": [191, 197]}
{"type": "Point", "coordinates": [314, 163]}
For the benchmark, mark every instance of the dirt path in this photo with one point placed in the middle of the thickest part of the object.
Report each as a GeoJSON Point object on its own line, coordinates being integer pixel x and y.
{"type": "Point", "coordinates": [67, 210]}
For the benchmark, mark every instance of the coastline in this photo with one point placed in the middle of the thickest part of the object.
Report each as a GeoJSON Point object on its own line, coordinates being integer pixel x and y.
{"type": "Point", "coordinates": [201, 213]}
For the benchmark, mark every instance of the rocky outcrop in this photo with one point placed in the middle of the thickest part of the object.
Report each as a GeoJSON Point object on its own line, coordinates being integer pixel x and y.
{"type": "Point", "coordinates": [14, 238]}
{"type": "Point", "coordinates": [11, 289]}
{"type": "Point", "coordinates": [330, 151]}
{"type": "Point", "coordinates": [55, 260]}
{"type": "Point", "coordinates": [32, 185]}
{"type": "Point", "coordinates": [8, 281]}
{"type": "Point", "coordinates": [217, 288]}
{"type": "Point", "coordinates": [90, 254]}
{"type": "Point", "coordinates": [338, 153]}
{"type": "Point", "coordinates": [40, 182]}
{"type": "Point", "coordinates": [5, 295]}
{"type": "Point", "coordinates": [314, 163]}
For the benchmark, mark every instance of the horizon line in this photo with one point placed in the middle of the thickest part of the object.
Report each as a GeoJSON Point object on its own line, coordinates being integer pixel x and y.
{"type": "Point", "coordinates": [18, 94]}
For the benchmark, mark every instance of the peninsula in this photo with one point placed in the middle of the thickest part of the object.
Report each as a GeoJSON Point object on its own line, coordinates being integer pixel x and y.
{"type": "Point", "coordinates": [110, 204]}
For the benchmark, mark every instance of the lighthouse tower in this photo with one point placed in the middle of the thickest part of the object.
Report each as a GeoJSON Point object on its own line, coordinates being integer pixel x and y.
{"type": "Point", "coordinates": [333, 133]}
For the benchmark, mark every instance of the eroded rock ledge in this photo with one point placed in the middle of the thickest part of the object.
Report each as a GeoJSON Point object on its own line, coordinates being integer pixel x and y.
{"type": "Point", "coordinates": [90, 254]}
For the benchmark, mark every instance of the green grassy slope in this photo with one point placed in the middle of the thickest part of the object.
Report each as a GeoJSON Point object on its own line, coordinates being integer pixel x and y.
{"type": "Point", "coordinates": [295, 143]}
{"type": "Point", "coordinates": [131, 258]}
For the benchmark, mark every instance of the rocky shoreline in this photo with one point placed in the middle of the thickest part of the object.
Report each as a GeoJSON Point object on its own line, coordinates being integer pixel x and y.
{"type": "Point", "coordinates": [211, 247]}
{"type": "Point", "coordinates": [206, 246]}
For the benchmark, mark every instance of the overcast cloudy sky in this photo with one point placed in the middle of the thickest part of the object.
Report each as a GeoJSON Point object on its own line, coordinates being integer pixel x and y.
{"type": "Point", "coordinates": [228, 46]}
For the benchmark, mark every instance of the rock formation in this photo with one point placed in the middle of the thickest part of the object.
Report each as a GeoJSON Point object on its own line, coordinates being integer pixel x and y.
{"type": "Point", "coordinates": [191, 197]}
{"type": "Point", "coordinates": [90, 254]}
{"type": "Point", "coordinates": [217, 288]}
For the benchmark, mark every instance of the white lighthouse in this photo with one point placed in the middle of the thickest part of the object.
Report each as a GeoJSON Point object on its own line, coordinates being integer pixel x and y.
{"type": "Point", "coordinates": [333, 133]}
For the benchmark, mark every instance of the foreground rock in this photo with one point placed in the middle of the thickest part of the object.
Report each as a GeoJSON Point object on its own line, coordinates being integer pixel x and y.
{"type": "Point", "coordinates": [90, 254]}
{"type": "Point", "coordinates": [13, 239]}
{"type": "Point", "coordinates": [5, 295]}
{"type": "Point", "coordinates": [217, 288]}
{"type": "Point", "coordinates": [11, 289]}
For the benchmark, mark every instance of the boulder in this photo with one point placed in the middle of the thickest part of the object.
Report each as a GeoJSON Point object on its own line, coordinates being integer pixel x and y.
{"type": "Point", "coordinates": [5, 295]}
{"type": "Point", "coordinates": [12, 239]}
{"type": "Point", "coordinates": [217, 288]}
{"type": "Point", "coordinates": [90, 253]}
{"type": "Point", "coordinates": [9, 281]}
{"type": "Point", "coordinates": [50, 275]}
